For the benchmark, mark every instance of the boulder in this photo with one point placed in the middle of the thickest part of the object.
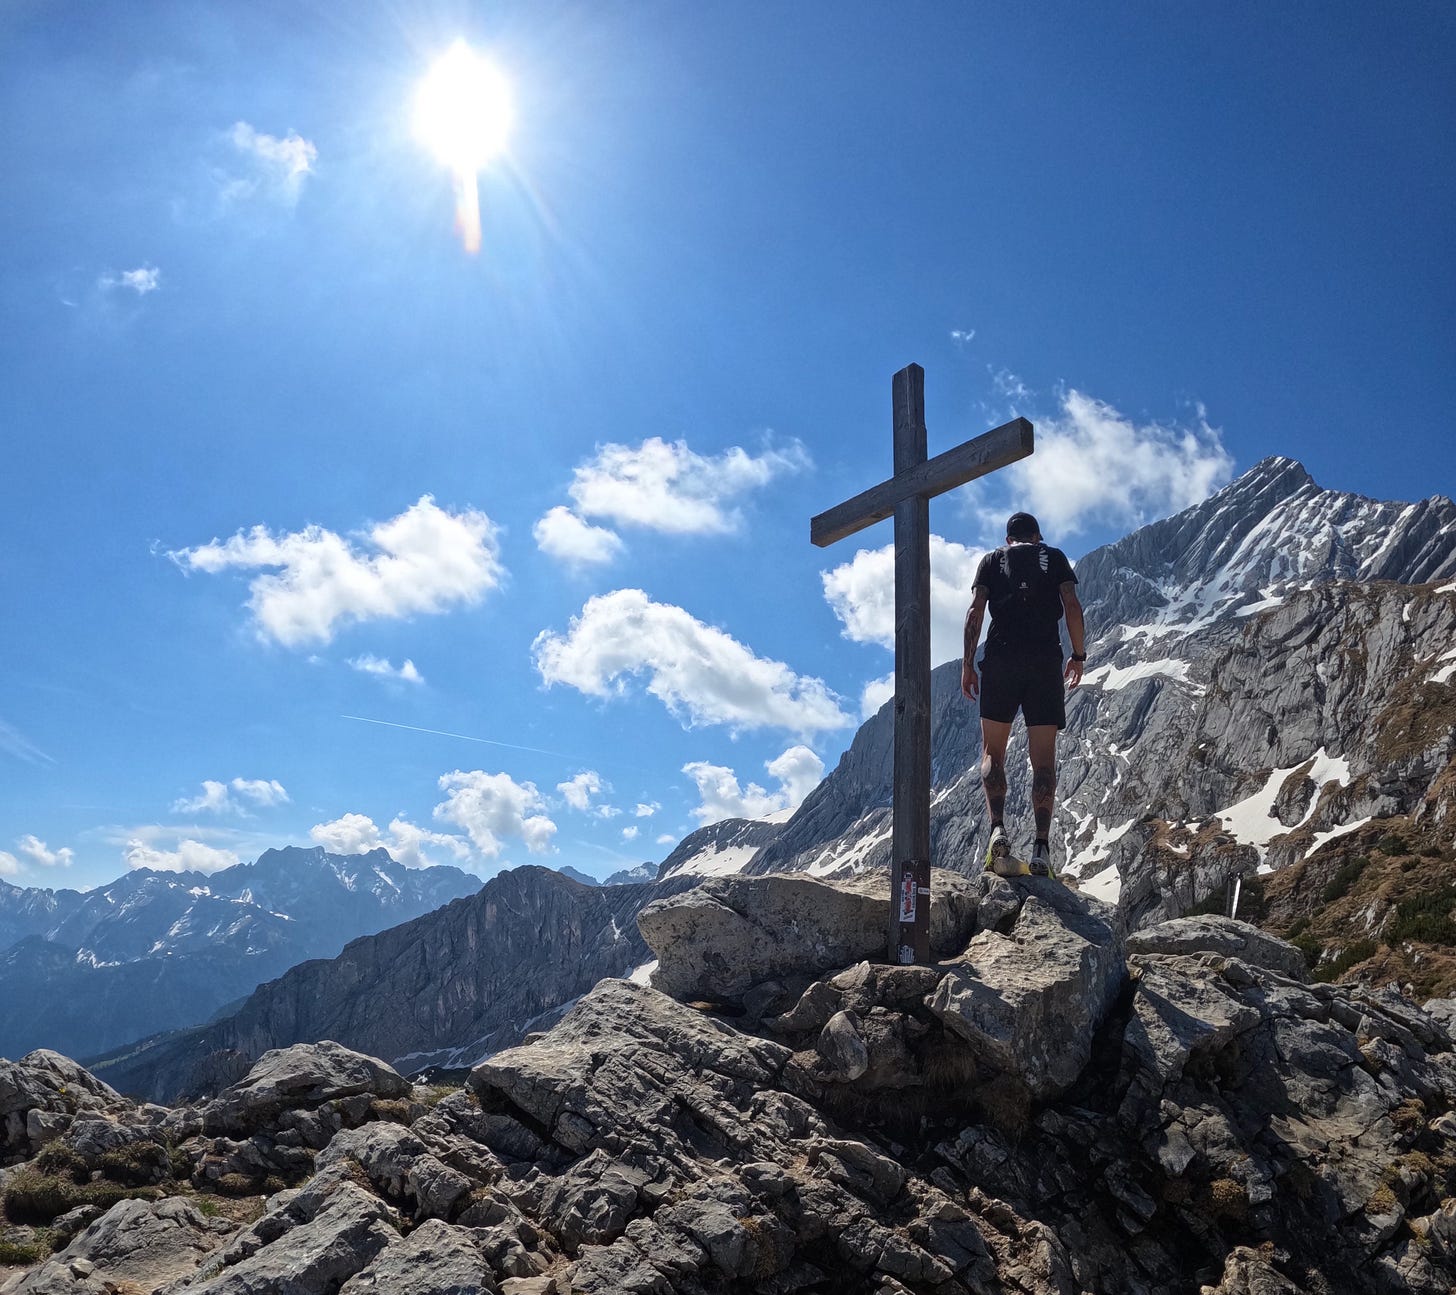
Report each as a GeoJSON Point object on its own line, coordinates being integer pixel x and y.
{"type": "Point", "coordinates": [1225, 936]}
{"type": "Point", "coordinates": [1028, 1004]}
{"type": "Point", "coordinates": [40, 1095]}
{"type": "Point", "coordinates": [435, 1259]}
{"type": "Point", "coordinates": [143, 1242]}
{"type": "Point", "coordinates": [731, 933]}
{"type": "Point", "coordinates": [301, 1077]}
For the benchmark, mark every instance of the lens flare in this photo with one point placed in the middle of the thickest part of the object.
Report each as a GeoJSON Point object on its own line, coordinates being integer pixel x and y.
{"type": "Point", "coordinates": [463, 115]}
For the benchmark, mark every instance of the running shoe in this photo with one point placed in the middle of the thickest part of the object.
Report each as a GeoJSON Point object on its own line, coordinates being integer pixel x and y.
{"type": "Point", "coordinates": [1041, 861]}
{"type": "Point", "coordinates": [999, 858]}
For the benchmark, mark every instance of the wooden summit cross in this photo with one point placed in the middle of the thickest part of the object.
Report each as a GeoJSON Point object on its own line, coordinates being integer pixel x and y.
{"type": "Point", "coordinates": [907, 494]}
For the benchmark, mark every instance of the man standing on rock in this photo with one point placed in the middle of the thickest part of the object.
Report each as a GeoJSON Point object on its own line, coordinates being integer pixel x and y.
{"type": "Point", "coordinates": [1029, 586]}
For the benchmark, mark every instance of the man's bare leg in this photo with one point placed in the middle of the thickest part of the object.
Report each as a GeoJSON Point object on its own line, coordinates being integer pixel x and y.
{"type": "Point", "coordinates": [994, 737]}
{"type": "Point", "coordinates": [1041, 746]}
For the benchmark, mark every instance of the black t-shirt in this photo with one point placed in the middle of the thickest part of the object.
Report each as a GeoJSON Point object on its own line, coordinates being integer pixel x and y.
{"type": "Point", "coordinates": [1023, 584]}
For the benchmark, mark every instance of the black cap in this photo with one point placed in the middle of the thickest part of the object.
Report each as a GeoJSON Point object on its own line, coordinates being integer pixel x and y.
{"type": "Point", "coordinates": [1022, 526]}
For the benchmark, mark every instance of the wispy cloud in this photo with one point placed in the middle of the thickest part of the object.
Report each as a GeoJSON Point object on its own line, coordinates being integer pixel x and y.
{"type": "Point", "coordinates": [14, 743]}
{"type": "Point", "coordinates": [962, 335]}
{"type": "Point", "coordinates": [646, 810]}
{"type": "Point", "coordinates": [232, 797]}
{"type": "Point", "coordinates": [798, 771]}
{"type": "Point", "coordinates": [274, 166]}
{"type": "Point", "coordinates": [382, 668]}
{"type": "Point", "coordinates": [701, 674]}
{"type": "Point", "coordinates": [426, 560]}
{"type": "Point", "coordinates": [9, 864]}
{"type": "Point", "coordinates": [142, 280]}
{"type": "Point", "coordinates": [658, 486]}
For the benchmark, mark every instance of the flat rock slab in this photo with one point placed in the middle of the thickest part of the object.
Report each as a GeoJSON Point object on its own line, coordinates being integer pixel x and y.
{"type": "Point", "coordinates": [143, 1242]}
{"type": "Point", "coordinates": [719, 939]}
{"type": "Point", "coordinates": [435, 1259]}
{"type": "Point", "coordinates": [1029, 1003]}
{"type": "Point", "coordinates": [303, 1076]}
{"type": "Point", "coordinates": [1221, 935]}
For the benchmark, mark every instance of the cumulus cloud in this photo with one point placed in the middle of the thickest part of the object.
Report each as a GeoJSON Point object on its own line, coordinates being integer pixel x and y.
{"type": "Point", "coordinates": [426, 560]}
{"type": "Point", "coordinates": [233, 798]}
{"type": "Point", "coordinates": [142, 280]}
{"type": "Point", "coordinates": [275, 166]}
{"type": "Point", "coordinates": [562, 535]}
{"type": "Point", "coordinates": [666, 838]}
{"type": "Point", "coordinates": [578, 791]}
{"type": "Point", "coordinates": [36, 850]}
{"type": "Point", "coordinates": [861, 594]}
{"type": "Point", "coordinates": [1094, 466]}
{"type": "Point", "coordinates": [407, 843]}
{"type": "Point", "coordinates": [875, 694]}
{"type": "Point", "coordinates": [659, 486]}
{"type": "Point", "coordinates": [493, 808]}
{"type": "Point", "coordinates": [798, 771]}
{"type": "Point", "coordinates": [646, 810]}
{"type": "Point", "coordinates": [189, 856]}
{"type": "Point", "coordinates": [9, 864]}
{"type": "Point", "coordinates": [701, 674]}
{"type": "Point", "coordinates": [630, 833]}
{"type": "Point", "coordinates": [382, 668]}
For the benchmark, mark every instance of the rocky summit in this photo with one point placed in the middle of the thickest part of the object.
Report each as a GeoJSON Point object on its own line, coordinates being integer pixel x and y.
{"type": "Point", "coordinates": [1054, 1106]}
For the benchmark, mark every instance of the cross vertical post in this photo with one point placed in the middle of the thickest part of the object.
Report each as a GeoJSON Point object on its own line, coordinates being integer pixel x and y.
{"type": "Point", "coordinates": [909, 927]}
{"type": "Point", "coordinates": [907, 495]}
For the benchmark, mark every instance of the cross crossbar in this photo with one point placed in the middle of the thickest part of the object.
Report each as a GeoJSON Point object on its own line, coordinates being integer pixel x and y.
{"type": "Point", "coordinates": [995, 449]}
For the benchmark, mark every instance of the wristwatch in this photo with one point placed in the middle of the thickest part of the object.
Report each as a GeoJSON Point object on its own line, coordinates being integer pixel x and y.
{"type": "Point", "coordinates": [1079, 656]}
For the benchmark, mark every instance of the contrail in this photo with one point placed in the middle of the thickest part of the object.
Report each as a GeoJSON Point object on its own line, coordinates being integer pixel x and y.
{"type": "Point", "coordinates": [464, 737]}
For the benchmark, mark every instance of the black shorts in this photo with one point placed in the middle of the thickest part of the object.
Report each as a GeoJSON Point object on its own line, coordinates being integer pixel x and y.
{"type": "Point", "coordinates": [1032, 684]}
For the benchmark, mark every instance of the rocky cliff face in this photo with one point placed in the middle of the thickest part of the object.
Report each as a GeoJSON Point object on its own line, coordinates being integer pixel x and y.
{"type": "Point", "coordinates": [1053, 1108]}
{"type": "Point", "coordinates": [1257, 684]}
{"type": "Point", "coordinates": [156, 950]}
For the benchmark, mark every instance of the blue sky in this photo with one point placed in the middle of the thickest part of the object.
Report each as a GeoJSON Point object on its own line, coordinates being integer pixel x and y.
{"type": "Point", "coordinates": [270, 433]}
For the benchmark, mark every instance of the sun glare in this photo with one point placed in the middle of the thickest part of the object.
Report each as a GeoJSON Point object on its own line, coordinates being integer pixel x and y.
{"type": "Point", "coordinates": [463, 115]}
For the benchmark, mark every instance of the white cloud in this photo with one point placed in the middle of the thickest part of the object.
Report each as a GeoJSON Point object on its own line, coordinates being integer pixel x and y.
{"type": "Point", "coordinates": [218, 798]}
{"type": "Point", "coordinates": [36, 850]}
{"type": "Point", "coordinates": [962, 335]}
{"type": "Point", "coordinates": [875, 694]}
{"type": "Point", "coordinates": [562, 535]}
{"type": "Point", "coordinates": [668, 487]}
{"type": "Point", "coordinates": [189, 856]}
{"type": "Point", "coordinates": [862, 594]}
{"type": "Point", "coordinates": [425, 560]}
{"type": "Point", "coordinates": [578, 791]}
{"type": "Point", "coordinates": [14, 742]}
{"type": "Point", "coordinates": [494, 808]}
{"type": "Point", "coordinates": [1093, 466]}
{"type": "Point", "coordinates": [142, 280]}
{"type": "Point", "coordinates": [646, 811]}
{"type": "Point", "coordinates": [382, 668]}
{"type": "Point", "coordinates": [406, 842]}
{"type": "Point", "coordinates": [701, 674]}
{"type": "Point", "coordinates": [1008, 384]}
{"type": "Point", "coordinates": [278, 166]}
{"type": "Point", "coordinates": [667, 838]}
{"type": "Point", "coordinates": [9, 864]}
{"type": "Point", "coordinates": [798, 771]}
{"type": "Point", "coordinates": [630, 833]}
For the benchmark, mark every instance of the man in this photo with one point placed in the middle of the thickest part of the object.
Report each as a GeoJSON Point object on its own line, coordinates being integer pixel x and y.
{"type": "Point", "coordinates": [1029, 587]}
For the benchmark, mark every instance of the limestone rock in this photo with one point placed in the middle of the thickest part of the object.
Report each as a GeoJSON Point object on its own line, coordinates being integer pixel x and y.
{"type": "Point", "coordinates": [303, 1076]}
{"type": "Point", "coordinates": [1029, 1004]}
{"type": "Point", "coordinates": [1222, 935]}
{"type": "Point", "coordinates": [434, 1259]}
{"type": "Point", "coordinates": [730, 933]}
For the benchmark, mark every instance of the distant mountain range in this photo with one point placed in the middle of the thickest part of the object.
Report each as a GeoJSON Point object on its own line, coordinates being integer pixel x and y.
{"type": "Point", "coordinates": [1272, 676]}
{"type": "Point", "coordinates": [84, 971]}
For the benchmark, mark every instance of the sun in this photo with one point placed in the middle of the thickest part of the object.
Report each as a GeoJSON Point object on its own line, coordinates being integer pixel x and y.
{"type": "Point", "coordinates": [463, 110]}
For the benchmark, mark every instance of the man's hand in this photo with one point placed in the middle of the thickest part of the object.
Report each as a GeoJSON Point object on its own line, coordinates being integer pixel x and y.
{"type": "Point", "coordinates": [970, 684]}
{"type": "Point", "coordinates": [1073, 673]}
